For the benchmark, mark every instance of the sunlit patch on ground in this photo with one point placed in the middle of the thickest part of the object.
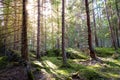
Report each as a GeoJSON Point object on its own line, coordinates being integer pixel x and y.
{"type": "Point", "coordinates": [50, 64]}
{"type": "Point", "coordinates": [38, 63]}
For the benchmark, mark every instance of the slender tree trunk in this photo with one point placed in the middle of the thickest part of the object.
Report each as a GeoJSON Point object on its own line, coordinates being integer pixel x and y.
{"type": "Point", "coordinates": [92, 53]}
{"type": "Point", "coordinates": [118, 15]}
{"type": "Point", "coordinates": [117, 36]}
{"type": "Point", "coordinates": [94, 21]}
{"type": "Point", "coordinates": [18, 32]}
{"type": "Point", "coordinates": [58, 25]}
{"type": "Point", "coordinates": [45, 34]}
{"type": "Point", "coordinates": [111, 28]}
{"type": "Point", "coordinates": [52, 25]}
{"type": "Point", "coordinates": [5, 28]}
{"type": "Point", "coordinates": [24, 45]}
{"type": "Point", "coordinates": [42, 27]}
{"type": "Point", "coordinates": [33, 41]}
{"type": "Point", "coordinates": [38, 32]}
{"type": "Point", "coordinates": [63, 33]}
{"type": "Point", "coordinates": [14, 47]}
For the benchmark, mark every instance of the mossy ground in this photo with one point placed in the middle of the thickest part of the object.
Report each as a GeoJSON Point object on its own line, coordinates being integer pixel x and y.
{"type": "Point", "coordinates": [87, 70]}
{"type": "Point", "coordinates": [78, 64]}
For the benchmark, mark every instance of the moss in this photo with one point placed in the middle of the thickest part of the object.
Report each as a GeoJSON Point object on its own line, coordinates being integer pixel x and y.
{"type": "Point", "coordinates": [70, 52]}
{"type": "Point", "coordinates": [14, 55]}
{"type": "Point", "coordinates": [54, 60]}
{"type": "Point", "coordinates": [92, 72]}
{"type": "Point", "coordinates": [53, 52]}
{"type": "Point", "coordinates": [118, 51]}
{"type": "Point", "coordinates": [69, 78]}
{"type": "Point", "coordinates": [90, 75]}
{"type": "Point", "coordinates": [30, 75]}
{"type": "Point", "coordinates": [3, 62]}
{"type": "Point", "coordinates": [75, 54]}
{"type": "Point", "coordinates": [104, 52]}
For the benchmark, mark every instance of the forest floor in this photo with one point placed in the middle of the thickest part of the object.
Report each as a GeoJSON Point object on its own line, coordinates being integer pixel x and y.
{"type": "Point", "coordinates": [13, 73]}
{"type": "Point", "coordinates": [80, 67]}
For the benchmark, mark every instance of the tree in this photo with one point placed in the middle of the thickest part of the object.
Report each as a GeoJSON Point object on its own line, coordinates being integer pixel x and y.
{"type": "Point", "coordinates": [24, 45]}
{"type": "Point", "coordinates": [63, 33]}
{"type": "Point", "coordinates": [92, 53]}
{"type": "Point", "coordinates": [110, 26]}
{"type": "Point", "coordinates": [38, 32]}
{"type": "Point", "coordinates": [94, 22]}
{"type": "Point", "coordinates": [15, 26]}
{"type": "Point", "coordinates": [118, 15]}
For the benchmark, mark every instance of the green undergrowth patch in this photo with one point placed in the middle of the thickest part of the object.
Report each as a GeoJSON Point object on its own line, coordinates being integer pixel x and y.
{"type": "Point", "coordinates": [118, 50]}
{"type": "Point", "coordinates": [3, 62]}
{"type": "Point", "coordinates": [54, 66]}
{"type": "Point", "coordinates": [109, 69]}
{"type": "Point", "coordinates": [105, 52]}
{"type": "Point", "coordinates": [53, 52]}
{"type": "Point", "coordinates": [75, 54]}
{"type": "Point", "coordinates": [70, 53]}
{"type": "Point", "coordinates": [14, 55]}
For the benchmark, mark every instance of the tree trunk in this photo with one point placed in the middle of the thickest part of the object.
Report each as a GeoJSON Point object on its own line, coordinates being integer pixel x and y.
{"type": "Point", "coordinates": [111, 28]}
{"type": "Point", "coordinates": [15, 37]}
{"type": "Point", "coordinates": [24, 45]}
{"type": "Point", "coordinates": [118, 15]}
{"type": "Point", "coordinates": [38, 32]}
{"type": "Point", "coordinates": [45, 33]}
{"type": "Point", "coordinates": [94, 21]}
{"type": "Point", "coordinates": [92, 53]}
{"type": "Point", "coordinates": [117, 37]}
{"type": "Point", "coordinates": [58, 25]}
{"type": "Point", "coordinates": [63, 33]}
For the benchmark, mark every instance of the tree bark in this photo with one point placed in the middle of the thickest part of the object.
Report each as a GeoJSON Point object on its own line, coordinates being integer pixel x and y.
{"type": "Point", "coordinates": [58, 26]}
{"type": "Point", "coordinates": [118, 15]}
{"type": "Point", "coordinates": [92, 53]}
{"type": "Point", "coordinates": [111, 27]}
{"type": "Point", "coordinates": [63, 33]}
{"type": "Point", "coordinates": [24, 44]}
{"type": "Point", "coordinates": [38, 32]}
{"type": "Point", "coordinates": [15, 26]}
{"type": "Point", "coordinates": [94, 21]}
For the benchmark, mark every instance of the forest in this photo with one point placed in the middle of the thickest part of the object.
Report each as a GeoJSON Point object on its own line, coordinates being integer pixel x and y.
{"type": "Point", "coordinates": [59, 39]}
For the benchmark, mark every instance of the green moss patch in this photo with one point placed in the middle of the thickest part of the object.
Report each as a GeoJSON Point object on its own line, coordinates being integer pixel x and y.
{"type": "Point", "coordinates": [3, 62]}
{"type": "Point", "coordinates": [105, 52]}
